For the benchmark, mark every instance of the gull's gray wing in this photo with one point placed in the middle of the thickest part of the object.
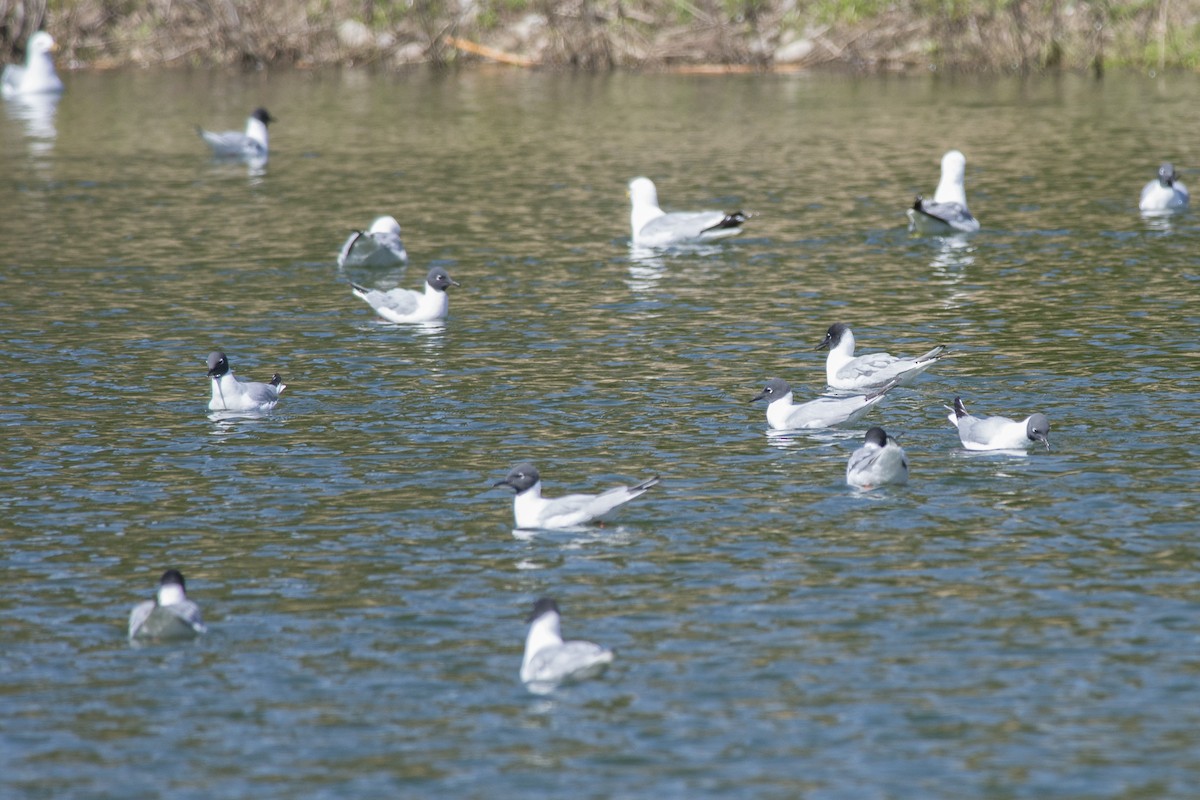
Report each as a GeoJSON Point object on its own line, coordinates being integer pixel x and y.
{"type": "Point", "coordinates": [928, 215]}
{"type": "Point", "coordinates": [399, 301]}
{"type": "Point", "coordinates": [685, 226]}
{"type": "Point", "coordinates": [570, 660]}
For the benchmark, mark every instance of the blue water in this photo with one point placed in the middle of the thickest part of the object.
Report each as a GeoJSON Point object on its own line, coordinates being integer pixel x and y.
{"type": "Point", "coordinates": [1004, 626]}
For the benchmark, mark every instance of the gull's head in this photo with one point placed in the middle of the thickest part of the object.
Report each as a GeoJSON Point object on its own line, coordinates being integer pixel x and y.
{"type": "Point", "coordinates": [544, 606]}
{"type": "Point", "coordinates": [262, 116]}
{"type": "Point", "coordinates": [439, 279]}
{"type": "Point", "coordinates": [954, 166]}
{"type": "Point", "coordinates": [776, 389]}
{"type": "Point", "coordinates": [385, 225]}
{"type": "Point", "coordinates": [643, 193]}
{"type": "Point", "coordinates": [1037, 428]}
{"type": "Point", "coordinates": [218, 364]}
{"type": "Point", "coordinates": [171, 588]}
{"type": "Point", "coordinates": [41, 43]}
{"type": "Point", "coordinates": [876, 436]}
{"type": "Point", "coordinates": [837, 334]}
{"type": "Point", "coordinates": [521, 478]}
{"type": "Point", "coordinates": [1166, 174]}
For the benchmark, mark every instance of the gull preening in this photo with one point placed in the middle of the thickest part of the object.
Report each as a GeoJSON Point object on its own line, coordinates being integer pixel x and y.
{"type": "Point", "coordinates": [378, 246]}
{"type": "Point", "coordinates": [549, 661]}
{"type": "Point", "coordinates": [407, 305]}
{"type": "Point", "coordinates": [251, 145]}
{"type": "Point", "coordinates": [880, 461]}
{"type": "Point", "coordinates": [653, 227]}
{"type": "Point", "coordinates": [947, 213]}
{"type": "Point", "coordinates": [232, 394]}
{"type": "Point", "coordinates": [170, 615]}
{"type": "Point", "coordinates": [38, 75]}
{"type": "Point", "coordinates": [998, 433]}
{"type": "Point", "coordinates": [824, 412]}
{"type": "Point", "coordinates": [532, 511]}
{"type": "Point", "coordinates": [845, 372]}
{"type": "Point", "coordinates": [1164, 193]}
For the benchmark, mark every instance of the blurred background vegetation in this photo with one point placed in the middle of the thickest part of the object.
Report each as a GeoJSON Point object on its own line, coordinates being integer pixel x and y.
{"type": "Point", "coordinates": [869, 35]}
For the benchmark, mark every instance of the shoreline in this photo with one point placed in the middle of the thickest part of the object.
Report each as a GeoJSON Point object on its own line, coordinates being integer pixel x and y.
{"type": "Point", "coordinates": [718, 37]}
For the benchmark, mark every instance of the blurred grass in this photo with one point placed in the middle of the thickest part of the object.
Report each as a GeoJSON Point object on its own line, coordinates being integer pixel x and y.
{"type": "Point", "coordinates": [871, 35]}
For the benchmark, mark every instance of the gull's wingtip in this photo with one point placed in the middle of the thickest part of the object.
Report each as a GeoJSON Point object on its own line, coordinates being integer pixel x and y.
{"type": "Point", "coordinates": [646, 484]}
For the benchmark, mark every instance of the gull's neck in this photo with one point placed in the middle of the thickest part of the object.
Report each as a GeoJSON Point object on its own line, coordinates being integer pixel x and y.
{"type": "Point", "coordinates": [543, 633]}
{"type": "Point", "coordinates": [171, 593]}
{"type": "Point", "coordinates": [950, 188]}
{"type": "Point", "coordinates": [779, 410]}
{"type": "Point", "coordinates": [643, 212]}
{"type": "Point", "coordinates": [256, 130]}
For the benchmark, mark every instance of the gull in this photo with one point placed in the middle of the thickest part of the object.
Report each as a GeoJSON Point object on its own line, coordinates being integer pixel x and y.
{"type": "Point", "coordinates": [251, 145]}
{"type": "Point", "coordinates": [998, 433]}
{"type": "Point", "coordinates": [1165, 193]}
{"type": "Point", "coordinates": [549, 661]}
{"type": "Point", "coordinates": [532, 511]}
{"type": "Point", "coordinates": [652, 227]}
{"type": "Point", "coordinates": [873, 371]}
{"type": "Point", "coordinates": [824, 412]}
{"type": "Point", "coordinates": [878, 462]}
{"type": "Point", "coordinates": [231, 394]}
{"type": "Point", "coordinates": [407, 305]}
{"type": "Point", "coordinates": [38, 75]}
{"type": "Point", "coordinates": [947, 213]}
{"type": "Point", "coordinates": [170, 615]}
{"type": "Point", "coordinates": [378, 246]}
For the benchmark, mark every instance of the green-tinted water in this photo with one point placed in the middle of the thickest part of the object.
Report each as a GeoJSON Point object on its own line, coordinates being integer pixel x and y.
{"type": "Point", "coordinates": [1001, 627]}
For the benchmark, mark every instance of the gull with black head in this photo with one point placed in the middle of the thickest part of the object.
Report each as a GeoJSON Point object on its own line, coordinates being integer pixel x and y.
{"type": "Point", "coordinates": [534, 512]}
{"type": "Point", "coordinates": [1164, 193]}
{"type": "Point", "coordinates": [824, 412]}
{"type": "Point", "coordinates": [250, 145]}
{"type": "Point", "coordinates": [998, 433]}
{"type": "Point", "coordinates": [846, 372]}
{"type": "Point", "coordinates": [549, 661]}
{"type": "Point", "coordinates": [170, 615]}
{"type": "Point", "coordinates": [230, 393]}
{"type": "Point", "coordinates": [408, 305]}
{"type": "Point", "coordinates": [879, 462]}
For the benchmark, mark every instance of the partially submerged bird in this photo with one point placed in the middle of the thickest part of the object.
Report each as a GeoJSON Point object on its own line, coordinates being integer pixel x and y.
{"type": "Point", "coordinates": [824, 412]}
{"type": "Point", "coordinates": [998, 433]}
{"type": "Point", "coordinates": [378, 246]}
{"type": "Point", "coordinates": [407, 305]}
{"type": "Point", "coordinates": [549, 661]}
{"type": "Point", "coordinates": [532, 511]}
{"type": "Point", "coordinates": [880, 461]}
{"type": "Point", "coordinates": [170, 615]}
{"type": "Point", "coordinates": [1164, 193]}
{"type": "Point", "coordinates": [652, 227]}
{"type": "Point", "coordinates": [252, 145]}
{"type": "Point", "coordinates": [947, 213]}
{"type": "Point", "coordinates": [38, 75]}
{"type": "Point", "coordinates": [846, 372]}
{"type": "Point", "coordinates": [231, 394]}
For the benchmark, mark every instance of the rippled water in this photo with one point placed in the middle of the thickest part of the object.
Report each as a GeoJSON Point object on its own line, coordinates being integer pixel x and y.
{"type": "Point", "coordinates": [1004, 626]}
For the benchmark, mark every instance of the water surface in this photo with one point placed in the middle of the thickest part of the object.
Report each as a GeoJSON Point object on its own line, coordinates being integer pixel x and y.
{"type": "Point", "coordinates": [1004, 626]}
